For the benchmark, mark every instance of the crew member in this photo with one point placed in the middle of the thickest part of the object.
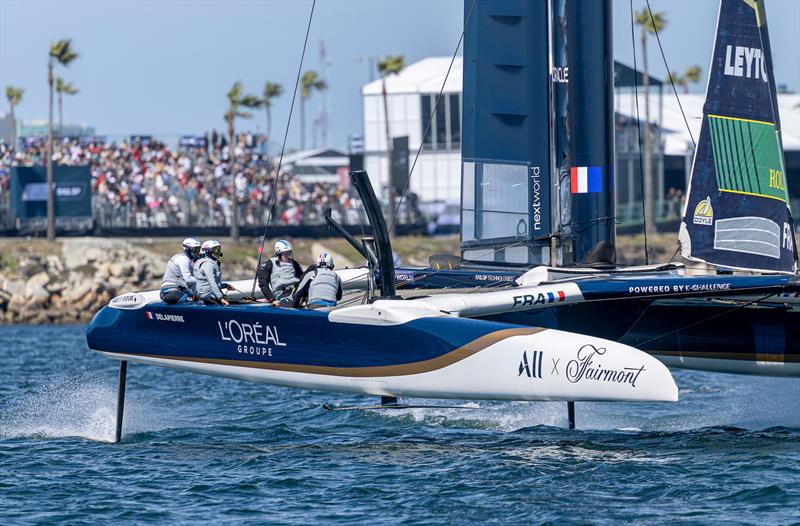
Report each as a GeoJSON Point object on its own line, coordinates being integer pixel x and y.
{"type": "Point", "coordinates": [179, 281]}
{"type": "Point", "coordinates": [278, 276]}
{"type": "Point", "coordinates": [320, 287]}
{"type": "Point", "coordinates": [209, 276]}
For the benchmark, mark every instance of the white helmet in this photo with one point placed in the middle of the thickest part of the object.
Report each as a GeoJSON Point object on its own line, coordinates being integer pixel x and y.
{"type": "Point", "coordinates": [211, 248]}
{"type": "Point", "coordinates": [191, 247]}
{"type": "Point", "coordinates": [325, 260]}
{"type": "Point", "coordinates": [282, 246]}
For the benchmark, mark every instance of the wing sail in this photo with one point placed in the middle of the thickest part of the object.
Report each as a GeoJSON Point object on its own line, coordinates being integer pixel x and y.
{"type": "Point", "coordinates": [737, 209]}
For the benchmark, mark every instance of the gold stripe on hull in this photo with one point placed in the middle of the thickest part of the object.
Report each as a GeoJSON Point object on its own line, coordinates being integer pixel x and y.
{"type": "Point", "coordinates": [424, 366]}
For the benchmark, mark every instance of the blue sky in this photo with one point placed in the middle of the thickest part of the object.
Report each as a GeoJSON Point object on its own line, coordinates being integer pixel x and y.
{"type": "Point", "coordinates": [164, 68]}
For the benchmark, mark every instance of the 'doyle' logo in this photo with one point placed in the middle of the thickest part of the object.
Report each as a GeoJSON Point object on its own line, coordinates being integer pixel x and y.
{"type": "Point", "coordinates": [703, 212]}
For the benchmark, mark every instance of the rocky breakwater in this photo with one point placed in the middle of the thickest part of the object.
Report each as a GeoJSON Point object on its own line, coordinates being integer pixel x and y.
{"type": "Point", "coordinates": [71, 286]}
{"type": "Point", "coordinates": [69, 281]}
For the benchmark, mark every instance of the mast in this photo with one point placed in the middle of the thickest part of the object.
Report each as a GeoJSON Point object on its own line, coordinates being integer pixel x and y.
{"type": "Point", "coordinates": [591, 124]}
{"type": "Point", "coordinates": [506, 171]}
{"type": "Point", "coordinates": [538, 112]}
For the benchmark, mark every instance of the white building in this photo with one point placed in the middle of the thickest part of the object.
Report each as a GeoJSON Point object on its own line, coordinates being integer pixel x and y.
{"type": "Point", "coordinates": [410, 99]}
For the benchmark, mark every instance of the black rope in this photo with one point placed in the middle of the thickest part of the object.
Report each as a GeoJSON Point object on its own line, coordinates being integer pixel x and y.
{"type": "Point", "coordinates": [674, 254]}
{"type": "Point", "coordinates": [639, 133]}
{"type": "Point", "coordinates": [704, 320]}
{"type": "Point", "coordinates": [430, 120]}
{"type": "Point", "coordinates": [271, 212]}
{"type": "Point", "coordinates": [669, 75]}
{"type": "Point", "coordinates": [586, 225]}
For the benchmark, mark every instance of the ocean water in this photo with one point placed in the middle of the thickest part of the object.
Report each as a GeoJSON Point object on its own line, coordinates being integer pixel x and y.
{"type": "Point", "coordinates": [199, 449]}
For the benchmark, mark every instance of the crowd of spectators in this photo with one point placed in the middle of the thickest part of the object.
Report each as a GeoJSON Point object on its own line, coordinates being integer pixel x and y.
{"type": "Point", "coordinates": [151, 185]}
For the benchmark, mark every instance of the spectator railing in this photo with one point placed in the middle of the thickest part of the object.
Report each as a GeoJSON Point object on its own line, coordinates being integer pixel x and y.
{"type": "Point", "coordinates": [128, 215]}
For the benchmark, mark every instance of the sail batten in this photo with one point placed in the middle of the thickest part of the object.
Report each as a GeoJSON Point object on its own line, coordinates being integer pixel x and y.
{"type": "Point", "coordinates": [737, 211]}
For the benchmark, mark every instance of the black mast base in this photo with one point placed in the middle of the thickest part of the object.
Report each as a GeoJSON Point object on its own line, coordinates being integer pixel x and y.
{"type": "Point", "coordinates": [123, 373]}
{"type": "Point", "coordinates": [571, 414]}
{"type": "Point", "coordinates": [388, 400]}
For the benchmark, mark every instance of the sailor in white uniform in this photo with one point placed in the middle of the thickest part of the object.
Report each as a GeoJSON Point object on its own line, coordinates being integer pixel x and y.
{"type": "Point", "coordinates": [320, 287]}
{"type": "Point", "coordinates": [278, 276]}
{"type": "Point", "coordinates": [179, 281]}
{"type": "Point", "coordinates": [209, 276]}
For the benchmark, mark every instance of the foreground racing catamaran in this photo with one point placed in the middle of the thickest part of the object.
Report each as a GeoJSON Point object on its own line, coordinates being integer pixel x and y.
{"type": "Point", "coordinates": [560, 320]}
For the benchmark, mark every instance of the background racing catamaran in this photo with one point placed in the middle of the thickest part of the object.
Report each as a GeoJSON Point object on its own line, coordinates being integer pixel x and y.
{"type": "Point", "coordinates": [571, 330]}
{"type": "Point", "coordinates": [737, 213]}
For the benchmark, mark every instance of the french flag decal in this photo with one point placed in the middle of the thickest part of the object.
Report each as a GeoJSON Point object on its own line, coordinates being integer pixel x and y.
{"type": "Point", "coordinates": [150, 315]}
{"type": "Point", "coordinates": [586, 179]}
{"type": "Point", "coordinates": [559, 296]}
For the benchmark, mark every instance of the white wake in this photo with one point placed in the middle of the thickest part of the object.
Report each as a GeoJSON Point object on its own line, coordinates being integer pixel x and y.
{"type": "Point", "coordinates": [77, 406]}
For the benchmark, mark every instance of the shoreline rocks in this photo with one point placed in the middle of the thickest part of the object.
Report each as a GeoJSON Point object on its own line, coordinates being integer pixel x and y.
{"type": "Point", "coordinates": [72, 286]}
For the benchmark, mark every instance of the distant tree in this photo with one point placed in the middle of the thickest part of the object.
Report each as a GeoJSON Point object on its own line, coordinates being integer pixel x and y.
{"type": "Point", "coordinates": [649, 25]}
{"type": "Point", "coordinates": [61, 52]}
{"type": "Point", "coordinates": [309, 83]}
{"type": "Point", "coordinates": [14, 97]}
{"type": "Point", "coordinates": [63, 88]}
{"type": "Point", "coordinates": [677, 79]}
{"type": "Point", "coordinates": [692, 76]}
{"type": "Point", "coordinates": [271, 91]}
{"type": "Point", "coordinates": [389, 65]}
{"type": "Point", "coordinates": [237, 99]}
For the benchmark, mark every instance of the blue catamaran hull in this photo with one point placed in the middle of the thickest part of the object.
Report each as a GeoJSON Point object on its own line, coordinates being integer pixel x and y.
{"type": "Point", "coordinates": [390, 348]}
{"type": "Point", "coordinates": [742, 324]}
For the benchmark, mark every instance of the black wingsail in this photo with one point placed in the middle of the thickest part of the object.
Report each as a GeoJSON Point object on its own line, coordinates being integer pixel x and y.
{"type": "Point", "coordinates": [737, 209]}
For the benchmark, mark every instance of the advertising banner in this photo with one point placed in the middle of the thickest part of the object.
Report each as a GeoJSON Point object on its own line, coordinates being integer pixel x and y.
{"type": "Point", "coordinates": [72, 194]}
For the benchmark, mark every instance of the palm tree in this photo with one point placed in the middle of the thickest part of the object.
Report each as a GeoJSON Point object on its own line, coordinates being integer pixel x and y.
{"type": "Point", "coordinates": [651, 25]}
{"type": "Point", "coordinates": [14, 97]}
{"type": "Point", "coordinates": [236, 99]}
{"type": "Point", "coordinates": [678, 80]}
{"type": "Point", "coordinates": [60, 53]}
{"type": "Point", "coordinates": [271, 91]}
{"type": "Point", "coordinates": [692, 76]}
{"type": "Point", "coordinates": [390, 65]}
{"type": "Point", "coordinates": [63, 88]}
{"type": "Point", "coordinates": [309, 83]}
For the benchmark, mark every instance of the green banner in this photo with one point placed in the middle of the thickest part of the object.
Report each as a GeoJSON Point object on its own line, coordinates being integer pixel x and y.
{"type": "Point", "coordinates": [747, 157]}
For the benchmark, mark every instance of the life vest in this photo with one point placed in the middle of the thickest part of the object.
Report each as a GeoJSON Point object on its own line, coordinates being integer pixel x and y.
{"type": "Point", "coordinates": [282, 275]}
{"type": "Point", "coordinates": [324, 286]}
{"type": "Point", "coordinates": [208, 278]}
{"type": "Point", "coordinates": [174, 273]}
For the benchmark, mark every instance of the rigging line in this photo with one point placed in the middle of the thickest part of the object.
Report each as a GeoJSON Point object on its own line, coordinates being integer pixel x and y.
{"type": "Point", "coordinates": [592, 222]}
{"type": "Point", "coordinates": [715, 316]}
{"type": "Point", "coordinates": [639, 134]}
{"type": "Point", "coordinates": [430, 120]}
{"type": "Point", "coordinates": [674, 254]}
{"type": "Point", "coordinates": [669, 74]}
{"type": "Point", "coordinates": [271, 211]}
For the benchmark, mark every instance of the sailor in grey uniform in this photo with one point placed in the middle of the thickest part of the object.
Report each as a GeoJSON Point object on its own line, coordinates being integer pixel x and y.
{"type": "Point", "coordinates": [209, 276]}
{"type": "Point", "coordinates": [278, 276]}
{"type": "Point", "coordinates": [320, 287]}
{"type": "Point", "coordinates": [179, 281]}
